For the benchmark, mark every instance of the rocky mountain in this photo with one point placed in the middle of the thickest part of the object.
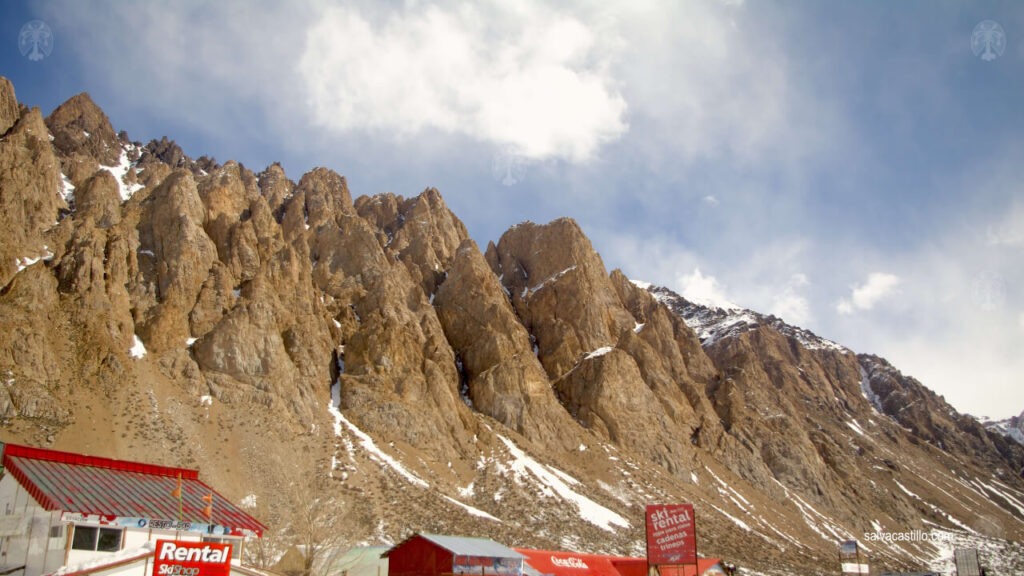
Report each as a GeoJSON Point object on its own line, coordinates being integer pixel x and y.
{"type": "Point", "coordinates": [1012, 427]}
{"type": "Point", "coordinates": [364, 356]}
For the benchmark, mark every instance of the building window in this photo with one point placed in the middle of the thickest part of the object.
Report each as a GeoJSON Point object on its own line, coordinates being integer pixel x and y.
{"type": "Point", "coordinates": [97, 539]}
{"type": "Point", "coordinates": [223, 540]}
{"type": "Point", "coordinates": [57, 531]}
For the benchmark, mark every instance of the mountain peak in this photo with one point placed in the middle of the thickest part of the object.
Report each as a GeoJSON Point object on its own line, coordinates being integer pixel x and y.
{"type": "Point", "coordinates": [80, 128]}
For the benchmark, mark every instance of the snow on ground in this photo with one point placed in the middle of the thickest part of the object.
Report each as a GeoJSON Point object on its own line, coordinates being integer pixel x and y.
{"type": "Point", "coordinates": [474, 511]}
{"type": "Point", "coordinates": [554, 482]}
{"type": "Point", "coordinates": [119, 172]}
{"type": "Point", "coordinates": [67, 189]}
{"type": "Point", "coordinates": [206, 400]}
{"type": "Point", "coordinates": [824, 526]}
{"type": "Point", "coordinates": [1015, 502]}
{"type": "Point", "coordinates": [735, 520]}
{"type": "Point", "coordinates": [105, 559]}
{"type": "Point", "coordinates": [868, 392]}
{"type": "Point", "coordinates": [139, 349]}
{"type": "Point", "coordinates": [731, 493]}
{"type": "Point", "coordinates": [26, 261]}
{"type": "Point", "coordinates": [249, 502]}
{"type": "Point", "coordinates": [997, 556]}
{"type": "Point", "coordinates": [365, 441]}
{"type": "Point", "coordinates": [856, 427]}
{"type": "Point", "coordinates": [905, 491]}
{"type": "Point", "coordinates": [599, 352]}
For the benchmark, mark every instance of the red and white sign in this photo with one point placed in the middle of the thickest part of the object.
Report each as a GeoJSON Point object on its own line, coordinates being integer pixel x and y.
{"type": "Point", "coordinates": [671, 534]}
{"type": "Point", "coordinates": [177, 558]}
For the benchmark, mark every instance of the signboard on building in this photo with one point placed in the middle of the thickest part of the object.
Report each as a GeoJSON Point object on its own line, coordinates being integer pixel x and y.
{"type": "Point", "coordinates": [671, 534]}
{"type": "Point", "coordinates": [154, 523]}
{"type": "Point", "coordinates": [967, 562]}
{"type": "Point", "coordinates": [177, 558]}
{"type": "Point", "coordinates": [487, 565]}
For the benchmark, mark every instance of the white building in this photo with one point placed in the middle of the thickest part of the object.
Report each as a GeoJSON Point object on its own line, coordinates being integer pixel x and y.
{"type": "Point", "coordinates": [71, 514]}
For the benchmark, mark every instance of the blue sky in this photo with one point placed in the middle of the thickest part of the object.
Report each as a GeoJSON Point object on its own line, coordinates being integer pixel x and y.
{"type": "Point", "coordinates": [853, 168]}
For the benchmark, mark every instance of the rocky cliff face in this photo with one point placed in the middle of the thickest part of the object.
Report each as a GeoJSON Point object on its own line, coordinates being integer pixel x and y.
{"type": "Point", "coordinates": [271, 332]}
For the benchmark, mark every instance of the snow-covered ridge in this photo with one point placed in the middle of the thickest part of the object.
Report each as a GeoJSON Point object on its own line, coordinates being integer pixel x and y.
{"type": "Point", "coordinates": [1011, 427]}
{"type": "Point", "coordinates": [717, 322]}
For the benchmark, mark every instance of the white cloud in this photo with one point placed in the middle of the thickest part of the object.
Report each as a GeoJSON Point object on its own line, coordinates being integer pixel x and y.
{"type": "Point", "coordinates": [527, 75]}
{"type": "Point", "coordinates": [1009, 231]}
{"type": "Point", "coordinates": [864, 297]}
{"type": "Point", "coordinates": [790, 304]}
{"type": "Point", "coordinates": [704, 290]}
{"type": "Point", "coordinates": [711, 200]}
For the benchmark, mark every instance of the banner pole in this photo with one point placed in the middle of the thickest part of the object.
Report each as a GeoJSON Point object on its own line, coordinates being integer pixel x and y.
{"type": "Point", "coordinates": [647, 539]}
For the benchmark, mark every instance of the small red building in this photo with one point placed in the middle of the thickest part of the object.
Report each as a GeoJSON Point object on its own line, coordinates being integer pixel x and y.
{"type": "Point", "coordinates": [435, 555]}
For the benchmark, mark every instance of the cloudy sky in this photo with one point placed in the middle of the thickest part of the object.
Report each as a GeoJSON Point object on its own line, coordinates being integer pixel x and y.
{"type": "Point", "coordinates": [856, 169]}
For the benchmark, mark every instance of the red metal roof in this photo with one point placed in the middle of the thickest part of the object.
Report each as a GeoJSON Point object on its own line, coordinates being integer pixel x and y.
{"type": "Point", "coordinates": [118, 488]}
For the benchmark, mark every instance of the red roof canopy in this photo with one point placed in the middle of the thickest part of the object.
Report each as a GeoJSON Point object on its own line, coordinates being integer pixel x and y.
{"type": "Point", "coordinates": [570, 563]}
{"type": "Point", "coordinates": [576, 564]}
{"type": "Point", "coordinates": [118, 488]}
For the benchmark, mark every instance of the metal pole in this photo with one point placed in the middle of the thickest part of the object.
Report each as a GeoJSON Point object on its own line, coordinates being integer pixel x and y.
{"type": "Point", "coordinates": [694, 520]}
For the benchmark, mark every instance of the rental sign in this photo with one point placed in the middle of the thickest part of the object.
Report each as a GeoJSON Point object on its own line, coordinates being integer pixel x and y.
{"type": "Point", "coordinates": [671, 534]}
{"type": "Point", "coordinates": [177, 558]}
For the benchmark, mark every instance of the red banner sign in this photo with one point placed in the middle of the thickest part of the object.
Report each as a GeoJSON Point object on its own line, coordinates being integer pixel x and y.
{"type": "Point", "coordinates": [177, 558]}
{"type": "Point", "coordinates": [671, 534]}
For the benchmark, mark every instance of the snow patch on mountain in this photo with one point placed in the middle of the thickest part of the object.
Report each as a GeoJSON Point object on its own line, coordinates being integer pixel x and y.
{"type": "Point", "coordinates": [554, 482]}
{"type": "Point", "coordinates": [1011, 427]}
{"type": "Point", "coordinates": [366, 441]}
{"type": "Point", "coordinates": [124, 165]}
{"type": "Point", "coordinates": [715, 321]}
